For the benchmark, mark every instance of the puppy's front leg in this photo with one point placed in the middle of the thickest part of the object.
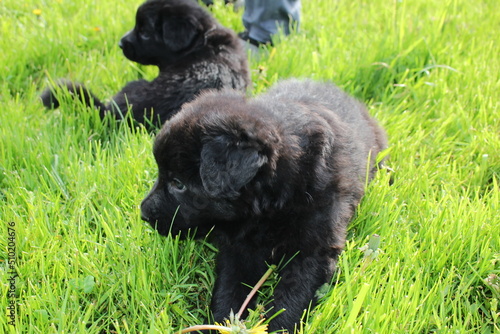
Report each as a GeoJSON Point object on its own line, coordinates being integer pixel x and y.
{"type": "Point", "coordinates": [299, 281]}
{"type": "Point", "coordinates": [238, 267]}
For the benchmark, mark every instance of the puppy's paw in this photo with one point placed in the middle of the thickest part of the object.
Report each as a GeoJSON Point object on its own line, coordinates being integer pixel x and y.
{"type": "Point", "coordinates": [49, 95]}
{"type": "Point", "coordinates": [76, 91]}
{"type": "Point", "coordinates": [49, 99]}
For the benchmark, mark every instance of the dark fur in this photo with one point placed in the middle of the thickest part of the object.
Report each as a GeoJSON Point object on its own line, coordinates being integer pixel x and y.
{"type": "Point", "coordinates": [192, 50]}
{"type": "Point", "coordinates": [278, 175]}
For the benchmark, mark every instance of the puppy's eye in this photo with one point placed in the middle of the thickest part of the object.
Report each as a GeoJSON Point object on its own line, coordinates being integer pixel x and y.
{"type": "Point", "coordinates": [144, 35]}
{"type": "Point", "coordinates": [177, 185]}
{"type": "Point", "coordinates": [143, 32]}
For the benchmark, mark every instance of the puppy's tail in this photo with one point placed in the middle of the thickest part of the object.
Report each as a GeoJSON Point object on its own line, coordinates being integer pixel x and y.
{"type": "Point", "coordinates": [77, 91]}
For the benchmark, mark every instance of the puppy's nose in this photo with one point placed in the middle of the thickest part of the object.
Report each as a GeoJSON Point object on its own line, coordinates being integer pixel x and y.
{"type": "Point", "coordinates": [125, 38]}
{"type": "Point", "coordinates": [146, 213]}
{"type": "Point", "coordinates": [146, 216]}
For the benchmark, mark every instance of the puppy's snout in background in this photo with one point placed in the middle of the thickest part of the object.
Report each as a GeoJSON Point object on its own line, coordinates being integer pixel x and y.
{"type": "Point", "coordinates": [126, 38]}
{"type": "Point", "coordinates": [126, 44]}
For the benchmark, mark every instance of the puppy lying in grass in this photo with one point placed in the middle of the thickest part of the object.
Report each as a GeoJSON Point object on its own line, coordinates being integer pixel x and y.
{"type": "Point", "coordinates": [277, 177]}
{"type": "Point", "coordinates": [192, 51]}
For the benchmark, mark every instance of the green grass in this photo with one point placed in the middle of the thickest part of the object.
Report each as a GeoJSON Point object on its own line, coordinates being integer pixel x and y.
{"type": "Point", "coordinates": [429, 72]}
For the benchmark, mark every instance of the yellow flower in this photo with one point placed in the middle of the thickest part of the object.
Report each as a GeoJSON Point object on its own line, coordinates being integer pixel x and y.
{"type": "Point", "coordinates": [228, 327]}
{"type": "Point", "coordinates": [258, 328]}
{"type": "Point", "coordinates": [37, 11]}
{"type": "Point", "coordinates": [237, 327]}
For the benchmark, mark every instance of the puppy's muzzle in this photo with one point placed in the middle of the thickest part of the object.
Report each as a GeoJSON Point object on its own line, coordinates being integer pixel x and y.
{"type": "Point", "coordinates": [126, 43]}
{"type": "Point", "coordinates": [145, 217]}
{"type": "Point", "coordinates": [146, 211]}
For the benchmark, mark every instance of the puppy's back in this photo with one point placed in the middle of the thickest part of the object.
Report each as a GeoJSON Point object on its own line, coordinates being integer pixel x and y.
{"type": "Point", "coordinates": [327, 100]}
{"type": "Point", "coordinates": [312, 93]}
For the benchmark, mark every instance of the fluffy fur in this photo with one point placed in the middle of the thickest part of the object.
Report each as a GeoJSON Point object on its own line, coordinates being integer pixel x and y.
{"type": "Point", "coordinates": [277, 177]}
{"type": "Point", "coordinates": [192, 51]}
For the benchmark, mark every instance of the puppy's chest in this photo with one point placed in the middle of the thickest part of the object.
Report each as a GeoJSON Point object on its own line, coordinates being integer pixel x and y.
{"type": "Point", "coordinates": [265, 238]}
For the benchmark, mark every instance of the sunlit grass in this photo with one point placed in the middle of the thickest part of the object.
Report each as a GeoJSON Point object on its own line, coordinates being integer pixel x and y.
{"type": "Point", "coordinates": [429, 72]}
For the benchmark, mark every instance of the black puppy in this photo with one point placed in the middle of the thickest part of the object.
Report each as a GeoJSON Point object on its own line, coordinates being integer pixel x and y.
{"type": "Point", "coordinates": [278, 177]}
{"type": "Point", "coordinates": [192, 50]}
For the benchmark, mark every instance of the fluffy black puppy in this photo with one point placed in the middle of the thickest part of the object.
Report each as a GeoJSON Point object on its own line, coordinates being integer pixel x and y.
{"type": "Point", "coordinates": [278, 177]}
{"type": "Point", "coordinates": [192, 50]}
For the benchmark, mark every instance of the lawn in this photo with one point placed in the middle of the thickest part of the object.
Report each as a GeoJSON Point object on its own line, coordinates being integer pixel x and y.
{"type": "Point", "coordinates": [70, 186]}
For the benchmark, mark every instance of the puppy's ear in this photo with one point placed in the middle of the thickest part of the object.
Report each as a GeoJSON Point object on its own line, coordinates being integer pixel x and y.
{"type": "Point", "coordinates": [180, 33]}
{"type": "Point", "coordinates": [227, 166]}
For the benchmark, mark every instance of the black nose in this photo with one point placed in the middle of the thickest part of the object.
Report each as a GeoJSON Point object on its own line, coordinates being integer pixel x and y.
{"type": "Point", "coordinates": [145, 218]}
{"type": "Point", "coordinates": [145, 214]}
{"type": "Point", "coordinates": [120, 44]}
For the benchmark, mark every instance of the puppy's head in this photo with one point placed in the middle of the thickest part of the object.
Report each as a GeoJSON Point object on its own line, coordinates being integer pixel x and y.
{"type": "Point", "coordinates": [165, 30]}
{"type": "Point", "coordinates": [211, 158]}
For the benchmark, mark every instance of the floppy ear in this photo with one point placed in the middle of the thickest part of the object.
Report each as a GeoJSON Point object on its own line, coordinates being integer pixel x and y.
{"type": "Point", "coordinates": [180, 32]}
{"type": "Point", "coordinates": [227, 166]}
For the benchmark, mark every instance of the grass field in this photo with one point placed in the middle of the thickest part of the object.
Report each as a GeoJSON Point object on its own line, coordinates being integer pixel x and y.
{"type": "Point", "coordinates": [70, 186]}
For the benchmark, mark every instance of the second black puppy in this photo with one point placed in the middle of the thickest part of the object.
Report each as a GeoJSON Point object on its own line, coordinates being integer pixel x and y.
{"type": "Point", "coordinates": [192, 50]}
{"type": "Point", "coordinates": [278, 177]}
